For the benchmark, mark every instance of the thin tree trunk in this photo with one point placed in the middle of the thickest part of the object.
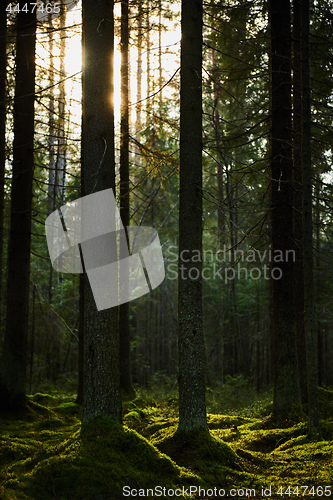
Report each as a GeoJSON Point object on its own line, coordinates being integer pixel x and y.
{"type": "Point", "coordinates": [310, 337]}
{"type": "Point", "coordinates": [230, 196]}
{"type": "Point", "coordinates": [192, 367]}
{"type": "Point", "coordinates": [51, 138]}
{"type": "Point", "coordinates": [317, 287]}
{"type": "Point", "coordinates": [221, 229]}
{"type": "Point", "coordinates": [138, 83]}
{"type": "Point", "coordinates": [220, 158]}
{"type": "Point", "coordinates": [14, 365]}
{"type": "Point", "coordinates": [3, 69]}
{"type": "Point", "coordinates": [51, 146]}
{"type": "Point", "coordinates": [60, 178]}
{"type": "Point", "coordinates": [148, 74]}
{"type": "Point", "coordinates": [160, 67]}
{"type": "Point", "coordinates": [124, 326]}
{"type": "Point", "coordinates": [79, 397]}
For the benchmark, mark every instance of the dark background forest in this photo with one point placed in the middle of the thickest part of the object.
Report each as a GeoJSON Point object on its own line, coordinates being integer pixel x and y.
{"type": "Point", "coordinates": [212, 123]}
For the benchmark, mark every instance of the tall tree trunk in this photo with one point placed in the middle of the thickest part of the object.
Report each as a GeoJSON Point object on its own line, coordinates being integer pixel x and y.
{"type": "Point", "coordinates": [220, 158]}
{"type": "Point", "coordinates": [221, 230]}
{"type": "Point", "coordinates": [3, 68]}
{"type": "Point", "coordinates": [148, 74]}
{"type": "Point", "coordinates": [287, 397]}
{"type": "Point", "coordinates": [237, 360]}
{"type": "Point", "coordinates": [51, 138]}
{"type": "Point", "coordinates": [79, 397]}
{"type": "Point", "coordinates": [310, 336]}
{"type": "Point", "coordinates": [318, 286]}
{"type": "Point", "coordinates": [160, 68]}
{"type": "Point", "coordinates": [192, 402]}
{"type": "Point", "coordinates": [14, 365]}
{"type": "Point", "coordinates": [60, 178]}
{"type": "Point", "coordinates": [124, 326]}
{"type": "Point", "coordinates": [138, 82]}
{"type": "Point", "coordinates": [298, 200]}
{"type": "Point", "coordinates": [51, 144]}
{"type": "Point", "coordinates": [101, 379]}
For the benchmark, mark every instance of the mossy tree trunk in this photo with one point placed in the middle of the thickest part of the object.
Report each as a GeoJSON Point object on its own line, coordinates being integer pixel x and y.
{"type": "Point", "coordinates": [192, 367]}
{"type": "Point", "coordinates": [14, 362]}
{"type": "Point", "coordinates": [101, 379]}
{"type": "Point", "coordinates": [287, 397]}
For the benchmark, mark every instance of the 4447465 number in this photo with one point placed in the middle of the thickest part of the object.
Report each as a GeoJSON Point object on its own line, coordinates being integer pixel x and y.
{"type": "Point", "coordinates": [301, 491]}
{"type": "Point", "coordinates": [39, 7]}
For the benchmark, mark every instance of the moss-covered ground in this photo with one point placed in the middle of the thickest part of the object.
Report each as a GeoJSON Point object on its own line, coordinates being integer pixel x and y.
{"type": "Point", "coordinates": [44, 454]}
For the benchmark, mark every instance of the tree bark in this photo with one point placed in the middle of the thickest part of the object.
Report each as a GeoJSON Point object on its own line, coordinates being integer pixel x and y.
{"type": "Point", "coordinates": [160, 67]}
{"type": "Point", "coordinates": [149, 101]}
{"type": "Point", "coordinates": [309, 324]}
{"type": "Point", "coordinates": [60, 174]}
{"type": "Point", "coordinates": [138, 83]}
{"type": "Point", "coordinates": [287, 398]}
{"type": "Point", "coordinates": [3, 69]}
{"type": "Point", "coordinates": [14, 366]}
{"type": "Point", "coordinates": [192, 403]}
{"type": "Point", "coordinates": [101, 379]}
{"type": "Point", "coordinates": [51, 144]}
{"type": "Point", "coordinates": [79, 397]}
{"type": "Point", "coordinates": [124, 326]}
{"type": "Point", "coordinates": [298, 199]}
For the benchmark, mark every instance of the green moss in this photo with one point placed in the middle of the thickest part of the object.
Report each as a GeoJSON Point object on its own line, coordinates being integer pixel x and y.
{"type": "Point", "coordinates": [206, 456]}
{"type": "Point", "coordinates": [45, 455]}
{"type": "Point", "coordinates": [68, 408]}
{"type": "Point", "coordinates": [94, 463]}
{"type": "Point", "coordinates": [103, 458]}
{"type": "Point", "coordinates": [225, 421]}
{"type": "Point", "coordinates": [15, 449]}
{"type": "Point", "coordinates": [266, 440]}
{"type": "Point", "coordinates": [131, 415]}
{"type": "Point", "coordinates": [44, 399]}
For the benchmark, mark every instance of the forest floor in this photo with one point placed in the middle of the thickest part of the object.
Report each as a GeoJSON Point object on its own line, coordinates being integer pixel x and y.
{"type": "Point", "coordinates": [44, 455]}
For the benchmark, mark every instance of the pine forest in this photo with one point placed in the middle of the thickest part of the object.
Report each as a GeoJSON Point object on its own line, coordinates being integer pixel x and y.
{"type": "Point", "coordinates": [166, 249]}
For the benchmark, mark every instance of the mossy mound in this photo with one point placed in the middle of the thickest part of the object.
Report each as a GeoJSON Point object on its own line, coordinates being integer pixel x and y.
{"type": "Point", "coordinates": [16, 449]}
{"type": "Point", "coordinates": [44, 399]}
{"type": "Point", "coordinates": [206, 456]}
{"type": "Point", "coordinates": [29, 412]}
{"type": "Point", "coordinates": [147, 420]}
{"type": "Point", "coordinates": [99, 461]}
{"type": "Point", "coordinates": [225, 421]}
{"type": "Point", "coordinates": [268, 440]}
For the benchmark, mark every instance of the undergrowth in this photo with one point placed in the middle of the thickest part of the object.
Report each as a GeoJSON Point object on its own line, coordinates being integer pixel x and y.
{"type": "Point", "coordinates": [45, 455]}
